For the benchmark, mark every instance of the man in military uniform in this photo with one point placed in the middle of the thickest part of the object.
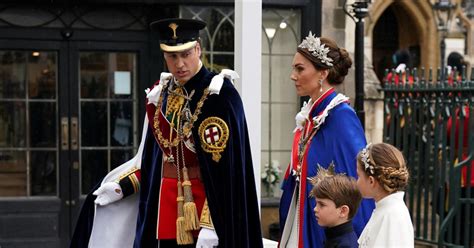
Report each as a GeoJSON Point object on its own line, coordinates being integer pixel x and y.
{"type": "Point", "coordinates": [192, 181]}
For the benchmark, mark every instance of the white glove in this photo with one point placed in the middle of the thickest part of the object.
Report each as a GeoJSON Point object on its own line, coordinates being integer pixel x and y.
{"type": "Point", "coordinates": [207, 238]}
{"type": "Point", "coordinates": [107, 193]}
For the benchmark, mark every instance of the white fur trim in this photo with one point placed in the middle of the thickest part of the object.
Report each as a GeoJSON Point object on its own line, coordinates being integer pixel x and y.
{"type": "Point", "coordinates": [218, 80]}
{"type": "Point", "coordinates": [154, 94]}
{"type": "Point", "coordinates": [303, 115]}
{"type": "Point", "coordinates": [319, 120]}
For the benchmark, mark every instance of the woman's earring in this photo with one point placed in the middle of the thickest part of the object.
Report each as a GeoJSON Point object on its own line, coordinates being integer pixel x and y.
{"type": "Point", "coordinates": [321, 83]}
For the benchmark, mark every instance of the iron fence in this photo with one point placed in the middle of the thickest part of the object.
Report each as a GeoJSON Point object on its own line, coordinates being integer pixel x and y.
{"type": "Point", "coordinates": [428, 119]}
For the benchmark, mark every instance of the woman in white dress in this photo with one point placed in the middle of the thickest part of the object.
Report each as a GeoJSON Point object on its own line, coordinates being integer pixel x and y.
{"type": "Point", "coordinates": [382, 176]}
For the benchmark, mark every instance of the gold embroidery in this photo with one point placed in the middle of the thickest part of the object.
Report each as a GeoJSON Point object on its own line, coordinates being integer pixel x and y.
{"type": "Point", "coordinates": [175, 101]}
{"type": "Point", "coordinates": [205, 220]}
{"type": "Point", "coordinates": [214, 134]}
{"type": "Point", "coordinates": [187, 126]}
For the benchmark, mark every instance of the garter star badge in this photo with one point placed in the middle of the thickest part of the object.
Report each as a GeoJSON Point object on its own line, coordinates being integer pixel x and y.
{"type": "Point", "coordinates": [214, 134]}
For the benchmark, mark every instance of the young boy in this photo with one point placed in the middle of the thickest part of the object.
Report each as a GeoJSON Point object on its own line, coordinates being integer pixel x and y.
{"type": "Point", "coordinates": [337, 200]}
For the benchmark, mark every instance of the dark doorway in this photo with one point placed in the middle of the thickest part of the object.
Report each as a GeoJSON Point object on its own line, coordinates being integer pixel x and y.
{"type": "Point", "coordinates": [385, 42]}
{"type": "Point", "coordinates": [395, 29]}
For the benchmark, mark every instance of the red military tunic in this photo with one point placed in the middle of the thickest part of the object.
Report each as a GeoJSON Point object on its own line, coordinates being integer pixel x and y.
{"type": "Point", "coordinates": [167, 205]}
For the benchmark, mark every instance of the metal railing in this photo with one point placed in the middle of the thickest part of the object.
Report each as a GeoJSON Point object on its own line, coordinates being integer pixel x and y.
{"type": "Point", "coordinates": [428, 119]}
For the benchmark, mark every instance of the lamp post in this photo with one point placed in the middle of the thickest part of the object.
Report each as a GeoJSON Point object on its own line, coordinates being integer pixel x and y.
{"type": "Point", "coordinates": [442, 10]}
{"type": "Point", "coordinates": [359, 10]}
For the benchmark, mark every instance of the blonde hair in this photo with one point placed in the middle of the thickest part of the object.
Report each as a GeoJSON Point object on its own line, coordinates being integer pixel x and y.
{"type": "Point", "coordinates": [386, 164]}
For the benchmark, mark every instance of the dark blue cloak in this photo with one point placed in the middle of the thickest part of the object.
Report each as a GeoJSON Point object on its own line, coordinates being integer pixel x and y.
{"type": "Point", "coordinates": [229, 183]}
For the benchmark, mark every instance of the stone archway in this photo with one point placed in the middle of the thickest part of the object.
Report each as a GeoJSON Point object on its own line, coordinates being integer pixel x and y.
{"type": "Point", "coordinates": [468, 24]}
{"type": "Point", "coordinates": [415, 29]}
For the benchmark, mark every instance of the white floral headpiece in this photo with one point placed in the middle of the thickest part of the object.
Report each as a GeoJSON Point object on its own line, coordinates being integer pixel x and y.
{"type": "Point", "coordinates": [365, 157]}
{"type": "Point", "coordinates": [318, 50]}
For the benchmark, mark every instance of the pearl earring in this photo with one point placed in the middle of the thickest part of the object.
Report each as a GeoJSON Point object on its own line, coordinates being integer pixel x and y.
{"type": "Point", "coordinates": [321, 83]}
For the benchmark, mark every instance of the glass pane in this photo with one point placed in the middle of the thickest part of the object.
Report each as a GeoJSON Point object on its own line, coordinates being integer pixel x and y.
{"type": "Point", "coordinates": [122, 66]}
{"type": "Point", "coordinates": [119, 157]}
{"type": "Point", "coordinates": [94, 75]}
{"type": "Point", "coordinates": [287, 36]}
{"type": "Point", "coordinates": [93, 124]}
{"type": "Point", "coordinates": [280, 158]}
{"type": "Point", "coordinates": [218, 36]}
{"type": "Point", "coordinates": [43, 173]}
{"type": "Point", "coordinates": [206, 60]}
{"type": "Point", "coordinates": [99, 70]}
{"type": "Point", "coordinates": [219, 28]}
{"type": "Point", "coordinates": [12, 74]}
{"type": "Point", "coordinates": [264, 159]}
{"type": "Point", "coordinates": [282, 87]}
{"type": "Point", "coordinates": [266, 40]}
{"type": "Point", "coordinates": [19, 15]}
{"type": "Point", "coordinates": [108, 18]}
{"type": "Point", "coordinates": [223, 62]}
{"type": "Point", "coordinates": [265, 134]}
{"type": "Point", "coordinates": [266, 78]}
{"type": "Point", "coordinates": [224, 39]}
{"type": "Point", "coordinates": [280, 37]}
{"type": "Point", "coordinates": [24, 172]}
{"type": "Point", "coordinates": [43, 124]}
{"type": "Point", "coordinates": [42, 75]}
{"type": "Point", "coordinates": [284, 42]}
{"type": "Point", "coordinates": [122, 123]}
{"type": "Point", "coordinates": [13, 173]}
{"type": "Point", "coordinates": [93, 169]}
{"type": "Point", "coordinates": [12, 124]}
{"type": "Point", "coordinates": [282, 125]}
{"type": "Point", "coordinates": [107, 112]}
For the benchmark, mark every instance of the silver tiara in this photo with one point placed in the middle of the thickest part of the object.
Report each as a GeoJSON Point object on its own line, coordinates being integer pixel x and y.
{"type": "Point", "coordinates": [318, 50]}
{"type": "Point", "coordinates": [364, 154]}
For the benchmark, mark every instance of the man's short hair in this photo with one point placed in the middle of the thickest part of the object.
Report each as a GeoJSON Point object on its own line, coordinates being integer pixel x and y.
{"type": "Point", "coordinates": [340, 189]}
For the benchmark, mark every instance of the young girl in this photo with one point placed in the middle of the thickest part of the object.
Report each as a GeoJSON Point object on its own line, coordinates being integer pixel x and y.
{"type": "Point", "coordinates": [382, 175]}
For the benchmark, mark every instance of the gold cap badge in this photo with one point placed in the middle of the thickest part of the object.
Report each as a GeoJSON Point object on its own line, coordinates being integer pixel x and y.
{"type": "Point", "coordinates": [173, 27]}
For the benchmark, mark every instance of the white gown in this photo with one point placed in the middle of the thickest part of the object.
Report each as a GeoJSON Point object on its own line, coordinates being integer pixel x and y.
{"type": "Point", "coordinates": [390, 224]}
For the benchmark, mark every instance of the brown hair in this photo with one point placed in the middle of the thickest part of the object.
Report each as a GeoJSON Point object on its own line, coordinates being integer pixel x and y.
{"type": "Point", "coordinates": [389, 167]}
{"type": "Point", "coordinates": [340, 189]}
{"type": "Point", "coordinates": [340, 60]}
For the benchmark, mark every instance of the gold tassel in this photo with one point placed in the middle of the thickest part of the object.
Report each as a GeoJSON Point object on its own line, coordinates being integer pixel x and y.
{"type": "Point", "coordinates": [190, 210]}
{"type": "Point", "coordinates": [183, 237]}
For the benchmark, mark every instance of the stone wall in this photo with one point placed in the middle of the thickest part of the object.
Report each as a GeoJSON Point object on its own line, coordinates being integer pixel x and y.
{"type": "Point", "coordinates": [339, 27]}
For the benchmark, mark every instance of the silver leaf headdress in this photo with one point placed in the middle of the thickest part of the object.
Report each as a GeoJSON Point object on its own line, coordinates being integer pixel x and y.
{"type": "Point", "coordinates": [365, 157]}
{"type": "Point", "coordinates": [316, 48]}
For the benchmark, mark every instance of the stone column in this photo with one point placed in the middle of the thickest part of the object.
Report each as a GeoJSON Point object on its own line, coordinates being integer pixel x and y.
{"type": "Point", "coordinates": [248, 63]}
